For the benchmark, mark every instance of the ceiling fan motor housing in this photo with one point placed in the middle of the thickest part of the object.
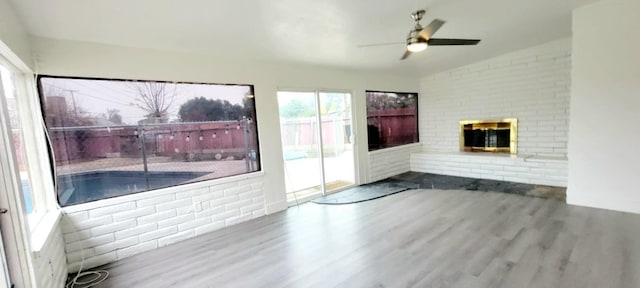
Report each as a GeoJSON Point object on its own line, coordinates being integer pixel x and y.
{"type": "Point", "coordinates": [414, 35]}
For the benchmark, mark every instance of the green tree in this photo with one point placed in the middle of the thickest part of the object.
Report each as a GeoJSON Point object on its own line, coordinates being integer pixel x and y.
{"type": "Point", "coordinates": [295, 108]}
{"type": "Point", "coordinates": [202, 109]}
{"type": "Point", "coordinates": [385, 100]}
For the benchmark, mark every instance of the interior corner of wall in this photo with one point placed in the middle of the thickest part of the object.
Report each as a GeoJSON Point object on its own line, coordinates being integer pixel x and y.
{"type": "Point", "coordinates": [276, 207]}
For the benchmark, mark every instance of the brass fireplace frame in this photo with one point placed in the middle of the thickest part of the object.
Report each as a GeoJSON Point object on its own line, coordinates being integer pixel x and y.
{"type": "Point", "coordinates": [498, 124]}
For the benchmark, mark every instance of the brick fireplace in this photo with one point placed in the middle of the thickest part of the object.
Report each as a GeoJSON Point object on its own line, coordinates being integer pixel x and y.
{"type": "Point", "coordinates": [530, 85]}
{"type": "Point", "coordinates": [499, 136]}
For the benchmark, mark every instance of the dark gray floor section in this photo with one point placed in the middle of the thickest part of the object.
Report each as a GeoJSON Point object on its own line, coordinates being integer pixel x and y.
{"type": "Point", "coordinates": [417, 180]}
{"type": "Point", "coordinates": [444, 182]}
{"type": "Point", "coordinates": [366, 192]}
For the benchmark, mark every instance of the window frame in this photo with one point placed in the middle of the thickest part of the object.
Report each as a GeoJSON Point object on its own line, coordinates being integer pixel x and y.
{"type": "Point", "coordinates": [51, 159]}
{"type": "Point", "coordinates": [27, 234]}
{"type": "Point", "coordinates": [417, 115]}
{"type": "Point", "coordinates": [357, 175]}
{"type": "Point", "coordinates": [35, 152]}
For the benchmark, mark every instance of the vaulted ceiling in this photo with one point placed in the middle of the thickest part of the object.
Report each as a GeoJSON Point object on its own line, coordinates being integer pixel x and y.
{"type": "Point", "coordinates": [316, 32]}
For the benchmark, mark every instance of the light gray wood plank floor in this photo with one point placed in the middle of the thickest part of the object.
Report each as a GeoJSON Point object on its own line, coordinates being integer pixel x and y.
{"type": "Point", "coordinates": [418, 238]}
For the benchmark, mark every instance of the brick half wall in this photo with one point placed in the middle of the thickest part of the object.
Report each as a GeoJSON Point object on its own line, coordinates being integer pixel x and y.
{"type": "Point", "coordinates": [112, 229]}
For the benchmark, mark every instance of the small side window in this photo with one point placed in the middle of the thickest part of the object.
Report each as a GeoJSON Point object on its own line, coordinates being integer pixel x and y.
{"type": "Point", "coordinates": [392, 119]}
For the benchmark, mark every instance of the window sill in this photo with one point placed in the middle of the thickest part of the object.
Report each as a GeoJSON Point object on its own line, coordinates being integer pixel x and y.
{"type": "Point", "coordinates": [34, 219]}
{"type": "Point", "coordinates": [44, 229]}
{"type": "Point", "coordinates": [391, 149]}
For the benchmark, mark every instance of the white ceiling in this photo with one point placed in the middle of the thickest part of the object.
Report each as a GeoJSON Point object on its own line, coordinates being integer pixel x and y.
{"type": "Point", "coordinates": [318, 32]}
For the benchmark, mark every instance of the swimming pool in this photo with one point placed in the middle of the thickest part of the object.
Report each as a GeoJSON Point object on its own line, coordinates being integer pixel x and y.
{"type": "Point", "coordinates": [26, 191]}
{"type": "Point", "coordinates": [92, 186]}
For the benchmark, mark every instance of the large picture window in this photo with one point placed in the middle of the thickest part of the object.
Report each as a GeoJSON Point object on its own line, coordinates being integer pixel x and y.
{"type": "Point", "coordinates": [117, 137]}
{"type": "Point", "coordinates": [392, 119]}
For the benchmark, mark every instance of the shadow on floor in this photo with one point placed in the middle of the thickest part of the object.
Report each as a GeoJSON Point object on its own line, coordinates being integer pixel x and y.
{"type": "Point", "coordinates": [366, 192]}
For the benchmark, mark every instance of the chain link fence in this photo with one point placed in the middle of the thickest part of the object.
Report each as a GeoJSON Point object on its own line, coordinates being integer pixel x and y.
{"type": "Point", "coordinates": [95, 162]}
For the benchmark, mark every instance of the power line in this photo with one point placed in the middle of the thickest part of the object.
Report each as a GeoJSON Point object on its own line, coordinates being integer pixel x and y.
{"type": "Point", "coordinates": [106, 86]}
{"type": "Point", "coordinates": [88, 95]}
{"type": "Point", "coordinates": [100, 92]}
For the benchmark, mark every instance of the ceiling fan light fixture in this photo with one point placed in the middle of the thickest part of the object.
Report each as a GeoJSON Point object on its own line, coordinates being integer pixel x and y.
{"type": "Point", "coordinates": [417, 46]}
{"type": "Point", "coordinates": [414, 42]}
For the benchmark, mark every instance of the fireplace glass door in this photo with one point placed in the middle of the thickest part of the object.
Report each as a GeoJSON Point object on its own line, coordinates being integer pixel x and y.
{"type": "Point", "coordinates": [489, 135]}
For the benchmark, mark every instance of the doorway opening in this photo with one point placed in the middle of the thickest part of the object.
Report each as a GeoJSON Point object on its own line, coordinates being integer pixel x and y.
{"type": "Point", "coordinates": [317, 143]}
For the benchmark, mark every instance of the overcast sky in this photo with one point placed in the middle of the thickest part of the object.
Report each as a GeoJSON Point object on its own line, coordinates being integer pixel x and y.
{"type": "Point", "coordinates": [96, 96]}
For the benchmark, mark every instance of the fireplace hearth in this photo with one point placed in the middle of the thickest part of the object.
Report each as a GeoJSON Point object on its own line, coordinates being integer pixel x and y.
{"type": "Point", "coordinates": [489, 135]}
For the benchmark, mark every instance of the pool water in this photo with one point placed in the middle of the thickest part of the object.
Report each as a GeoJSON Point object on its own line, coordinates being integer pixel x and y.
{"type": "Point", "coordinates": [26, 191]}
{"type": "Point", "coordinates": [92, 186]}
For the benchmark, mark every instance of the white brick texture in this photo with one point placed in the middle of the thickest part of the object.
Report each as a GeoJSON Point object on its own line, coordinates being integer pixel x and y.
{"type": "Point", "coordinates": [551, 172]}
{"type": "Point", "coordinates": [141, 222]}
{"type": "Point", "coordinates": [50, 263]}
{"type": "Point", "coordinates": [531, 85]}
{"type": "Point", "coordinates": [391, 161]}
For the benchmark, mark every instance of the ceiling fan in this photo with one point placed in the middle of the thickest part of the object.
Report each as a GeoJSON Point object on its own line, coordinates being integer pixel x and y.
{"type": "Point", "coordinates": [420, 38]}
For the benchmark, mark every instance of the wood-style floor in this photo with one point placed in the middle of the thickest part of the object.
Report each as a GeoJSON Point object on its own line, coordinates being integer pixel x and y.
{"type": "Point", "coordinates": [418, 238]}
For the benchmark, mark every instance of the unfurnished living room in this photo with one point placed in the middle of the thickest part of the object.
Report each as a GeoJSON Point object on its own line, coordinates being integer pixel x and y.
{"type": "Point", "coordinates": [297, 143]}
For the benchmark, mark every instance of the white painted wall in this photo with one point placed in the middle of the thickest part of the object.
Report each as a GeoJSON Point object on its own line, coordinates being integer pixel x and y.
{"type": "Point", "coordinates": [13, 33]}
{"type": "Point", "coordinates": [605, 106]}
{"type": "Point", "coordinates": [531, 85]}
{"type": "Point", "coordinates": [69, 58]}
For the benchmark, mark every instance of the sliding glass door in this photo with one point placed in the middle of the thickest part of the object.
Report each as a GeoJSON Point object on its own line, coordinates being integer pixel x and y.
{"type": "Point", "coordinates": [300, 143]}
{"type": "Point", "coordinates": [337, 140]}
{"type": "Point", "coordinates": [317, 143]}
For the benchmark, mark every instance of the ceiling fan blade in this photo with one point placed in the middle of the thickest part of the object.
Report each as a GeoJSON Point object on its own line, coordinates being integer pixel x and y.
{"type": "Point", "coordinates": [430, 29]}
{"type": "Point", "coordinates": [441, 41]}
{"type": "Point", "coordinates": [405, 55]}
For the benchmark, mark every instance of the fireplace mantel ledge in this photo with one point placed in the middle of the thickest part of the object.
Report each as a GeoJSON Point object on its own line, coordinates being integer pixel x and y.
{"type": "Point", "coordinates": [523, 157]}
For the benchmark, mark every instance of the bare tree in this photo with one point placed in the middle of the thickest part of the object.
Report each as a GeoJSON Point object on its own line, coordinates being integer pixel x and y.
{"type": "Point", "coordinates": [114, 116]}
{"type": "Point", "coordinates": [155, 98]}
{"type": "Point", "coordinates": [50, 90]}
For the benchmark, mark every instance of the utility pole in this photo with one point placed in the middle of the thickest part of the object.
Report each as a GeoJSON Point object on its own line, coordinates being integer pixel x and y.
{"type": "Point", "coordinates": [245, 132]}
{"type": "Point", "coordinates": [73, 100]}
{"type": "Point", "coordinates": [141, 137]}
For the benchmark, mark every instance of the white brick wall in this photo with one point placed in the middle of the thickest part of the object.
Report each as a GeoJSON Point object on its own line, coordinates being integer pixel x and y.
{"type": "Point", "coordinates": [544, 171]}
{"type": "Point", "coordinates": [391, 161]}
{"type": "Point", "coordinates": [50, 262]}
{"type": "Point", "coordinates": [112, 229]}
{"type": "Point", "coordinates": [531, 85]}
